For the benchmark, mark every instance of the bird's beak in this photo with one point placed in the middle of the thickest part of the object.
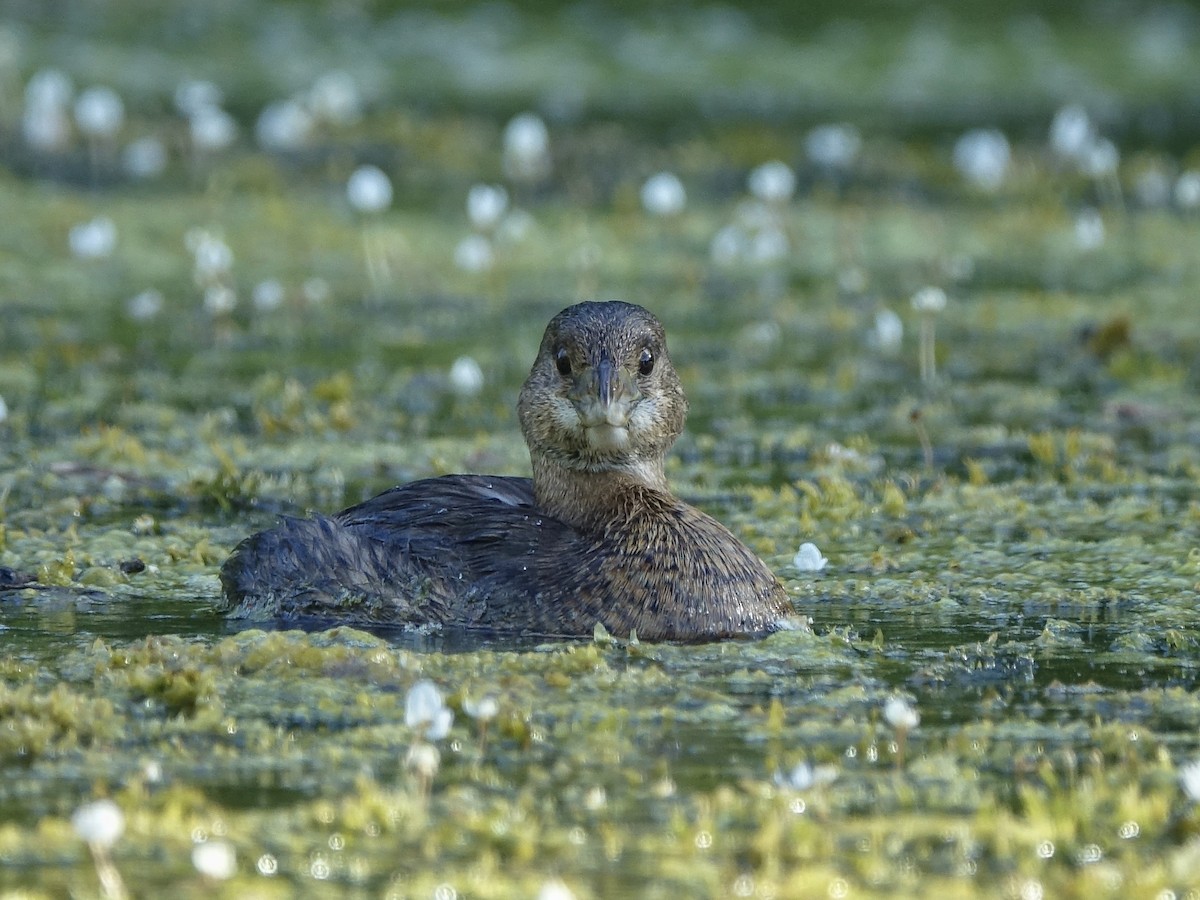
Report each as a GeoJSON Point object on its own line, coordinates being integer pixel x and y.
{"type": "Point", "coordinates": [605, 393]}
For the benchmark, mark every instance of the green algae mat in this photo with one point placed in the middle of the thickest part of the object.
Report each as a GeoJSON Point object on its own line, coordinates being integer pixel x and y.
{"type": "Point", "coordinates": [955, 345]}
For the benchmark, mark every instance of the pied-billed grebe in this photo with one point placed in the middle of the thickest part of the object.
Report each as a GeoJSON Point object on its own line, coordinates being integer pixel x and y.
{"type": "Point", "coordinates": [595, 536]}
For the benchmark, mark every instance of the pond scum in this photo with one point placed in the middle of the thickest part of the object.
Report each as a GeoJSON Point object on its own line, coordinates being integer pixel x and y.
{"type": "Point", "coordinates": [274, 258]}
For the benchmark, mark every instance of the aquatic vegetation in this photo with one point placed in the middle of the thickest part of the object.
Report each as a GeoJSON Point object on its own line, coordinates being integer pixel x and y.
{"type": "Point", "coordinates": [1016, 540]}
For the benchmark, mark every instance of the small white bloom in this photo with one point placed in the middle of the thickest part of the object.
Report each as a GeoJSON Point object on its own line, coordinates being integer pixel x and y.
{"type": "Point", "coordinates": [1071, 132]}
{"type": "Point", "coordinates": [808, 558]}
{"type": "Point", "coordinates": [192, 95]}
{"type": "Point", "coordinates": [48, 88]}
{"type": "Point", "coordinates": [1152, 187]}
{"type": "Point", "coordinates": [424, 709]}
{"type": "Point", "coordinates": [515, 227]}
{"type": "Point", "coordinates": [981, 156]}
{"type": "Point", "coordinates": [219, 299]}
{"type": "Point", "coordinates": [45, 127]}
{"type": "Point", "coordinates": [1187, 190]}
{"type": "Point", "coordinates": [1189, 777]}
{"type": "Point", "coordinates": [474, 254]}
{"type": "Point", "coordinates": [3, 410]}
{"type": "Point", "coordinates": [1100, 159]}
{"type": "Point", "coordinates": [555, 890]}
{"type": "Point", "coordinates": [727, 246]}
{"type": "Point", "coordinates": [663, 195]}
{"type": "Point", "coordinates": [424, 759]}
{"type": "Point", "coordinates": [144, 158]}
{"type": "Point", "coordinates": [484, 709]}
{"type": "Point", "coordinates": [888, 332]}
{"type": "Point", "coordinates": [100, 823]}
{"type": "Point", "coordinates": [526, 148]}
{"type": "Point", "coordinates": [94, 239]}
{"type": "Point", "coordinates": [770, 245]}
{"type": "Point", "coordinates": [369, 190]}
{"type": "Point", "coordinates": [901, 716]}
{"type": "Point", "coordinates": [833, 146]}
{"type": "Point", "coordinates": [99, 112]}
{"type": "Point", "coordinates": [315, 290]}
{"type": "Point", "coordinates": [267, 295]}
{"type": "Point", "coordinates": [335, 98]}
{"type": "Point", "coordinates": [852, 280]}
{"type": "Point", "coordinates": [283, 125]}
{"type": "Point", "coordinates": [929, 300]}
{"type": "Point", "coordinates": [211, 256]}
{"type": "Point", "coordinates": [466, 378]}
{"type": "Point", "coordinates": [486, 203]}
{"type": "Point", "coordinates": [773, 182]}
{"type": "Point", "coordinates": [1089, 229]}
{"type": "Point", "coordinates": [145, 305]}
{"type": "Point", "coordinates": [211, 128]}
{"type": "Point", "coordinates": [215, 859]}
{"type": "Point", "coordinates": [799, 779]}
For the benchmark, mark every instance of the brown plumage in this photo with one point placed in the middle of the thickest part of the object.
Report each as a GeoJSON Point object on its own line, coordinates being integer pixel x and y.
{"type": "Point", "coordinates": [596, 536]}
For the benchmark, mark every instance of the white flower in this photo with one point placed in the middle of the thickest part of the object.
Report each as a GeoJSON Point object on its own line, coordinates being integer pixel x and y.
{"type": "Point", "coordinates": [981, 156]}
{"type": "Point", "coordinates": [424, 709]}
{"type": "Point", "coordinates": [335, 98]}
{"type": "Point", "coordinates": [901, 716]}
{"type": "Point", "coordinates": [283, 125]}
{"type": "Point", "coordinates": [45, 127]}
{"type": "Point", "coordinates": [929, 300]}
{"type": "Point", "coordinates": [833, 146]}
{"type": "Point", "coordinates": [1187, 190]}
{"type": "Point", "coordinates": [888, 331]}
{"type": "Point", "coordinates": [315, 290]}
{"type": "Point", "coordinates": [808, 558]}
{"type": "Point", "coordinates": [100, 823]}
{"type": "Point", "coordinates": [486, 203]}
{"type": "Point", "coordinates": [1189, 777]}
{"type": "Point", "coordinates": [211, 256]}
{"type": "Point", "coordinates": [799, 779]}
{"type": "Point", "coordinates": [48, 88]}
{"type": "Point", "coordinates": [474, 254]}
{"type": "Point", "coordinates": [773, 182]}
{"type": "Point", "coordinates": [3, 410]}
{"type": "Point", "coordinates": [526, 148]}
{"type": "Point", "coordinates": [99, 112]}
{"type": "Point", "coordinates": [424, 760]}
{"type": "Point", "coordinates": [804, 775]}
{"type": "Point", "coordinates": [192, 95]}
{"type": "Point", "coordinates": [484, 709]}
{"type": "Point", "coordinates": [94, 239]}
{"type": "Point", "coordinates": [145, 305]}
{"type": "Point", "coordinates": [770, 245]}
{"type": "Point", "coordinates": [267, 295]}
{"type": "Point", "coordinates": [215, 859]}
{"type": "Point", "coordinates": [1100, 158]}
{"type": "Point", "coordinates": [728, 246]}
{"type": "Point", "coordinates": [555, 890]}
{"type": "Point", "coordinates": [144, 158]}
{"type": "Point", "coordinates": [219, 299]}
{"type": "Point", "coordinates": [466, 378]}
{"type": "Point", "coordinates": [1089, 229]}
{"type": "Point", "coordinates": [663, 195]}
{"type": "Point", "coordinates": [515, 227]}
{"type": "Point", "coordinates": [211, 128]}
{"type": "Point", "coordinates": [369, 190]}
{"type": "Point", "coordinates": [1071, 132]}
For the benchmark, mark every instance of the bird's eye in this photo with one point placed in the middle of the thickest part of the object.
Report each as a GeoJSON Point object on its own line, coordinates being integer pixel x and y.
{"type": "Point", "coordinates": [646, 362]}
{"type": "Point", "coordinates": [562, 360]}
